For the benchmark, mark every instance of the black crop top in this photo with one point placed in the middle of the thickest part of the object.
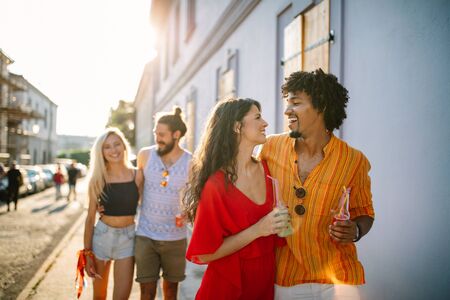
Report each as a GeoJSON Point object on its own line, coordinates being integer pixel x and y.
{"type": "Point", "coordinates": [120, 199]}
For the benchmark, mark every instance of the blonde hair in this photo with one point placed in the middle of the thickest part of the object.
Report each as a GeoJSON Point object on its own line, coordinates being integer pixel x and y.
{"type": "Point", "coordinates": [97, 163]}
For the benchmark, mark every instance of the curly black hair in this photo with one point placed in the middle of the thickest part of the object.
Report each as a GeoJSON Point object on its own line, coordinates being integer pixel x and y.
{"type": "Point", "coordinates": [327, 94]}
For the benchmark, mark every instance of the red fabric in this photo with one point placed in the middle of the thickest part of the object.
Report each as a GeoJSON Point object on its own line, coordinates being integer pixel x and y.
{"type": "Point", "coordinates": [224, 211]}
{"type": "Point", "coordinates": [58, 178]}
{"type": "Point", "coordinates": [79, 279]}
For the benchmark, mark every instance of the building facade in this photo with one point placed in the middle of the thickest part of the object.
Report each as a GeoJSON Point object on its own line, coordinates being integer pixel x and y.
{"type": "Point", "coordinates": [393, 58]}
{"type": "Point", "coordinates": [27, 119]}
{"type": "Point", "coordinates": [144, 109]}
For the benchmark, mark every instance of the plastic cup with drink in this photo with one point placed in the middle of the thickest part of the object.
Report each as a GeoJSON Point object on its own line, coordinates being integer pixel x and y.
{"type": "Point", "coordinates": [280, 207]}
{"type": "Point", "coordinates": [342, 213]}
{"type": "Point", "coordinates": [179, 220]}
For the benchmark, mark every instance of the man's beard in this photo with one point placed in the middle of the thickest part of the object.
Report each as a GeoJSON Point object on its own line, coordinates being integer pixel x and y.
{"type": "Point", "coordinates": [295, 134]}
{"type": "Point", "coordinates": [167, 148]}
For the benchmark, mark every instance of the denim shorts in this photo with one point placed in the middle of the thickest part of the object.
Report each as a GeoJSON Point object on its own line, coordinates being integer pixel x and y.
{"type": "Point", "coordinates": [110, 243]}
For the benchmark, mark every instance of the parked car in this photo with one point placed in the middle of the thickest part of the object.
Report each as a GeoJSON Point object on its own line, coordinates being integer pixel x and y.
{"type": "Point", "coordinates": [48, 179]}
{"type": "Point", "coordinates": [48, 172]}
{"type": "Point", "coordinates": [25, 188]}
{"type": "Point", "coordinates": [36, 177]}
{"type": "Point", "coordinates": [4, 189]}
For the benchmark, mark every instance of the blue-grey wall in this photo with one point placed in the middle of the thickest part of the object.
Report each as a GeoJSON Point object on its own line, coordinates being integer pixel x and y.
{"type": "Point", "coordinates": [394, 58]}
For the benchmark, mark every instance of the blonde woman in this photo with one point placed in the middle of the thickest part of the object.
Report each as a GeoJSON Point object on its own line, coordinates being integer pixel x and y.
{"type": "Point", "coordinates": [114, 184]}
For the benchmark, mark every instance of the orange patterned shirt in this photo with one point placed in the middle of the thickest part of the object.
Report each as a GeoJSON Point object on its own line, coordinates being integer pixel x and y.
{"type": "Point", "coordinates": [310, 255]}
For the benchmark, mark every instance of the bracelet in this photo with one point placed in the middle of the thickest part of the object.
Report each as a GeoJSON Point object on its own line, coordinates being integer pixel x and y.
{"type": "Point", "coordinates": [358, 233]}
{"type": "Point", "coordinates": [88, 252]}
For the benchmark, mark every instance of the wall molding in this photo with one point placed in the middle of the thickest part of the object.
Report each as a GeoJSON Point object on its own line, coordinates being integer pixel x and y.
{"type": "Point", "coordinates": [229, 21]}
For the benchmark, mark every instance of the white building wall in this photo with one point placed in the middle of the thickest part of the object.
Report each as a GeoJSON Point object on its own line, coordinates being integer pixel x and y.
{"type": "Point", "coordinates": [398, 77]}
{"type": "Point", "coordinates": [41, 144]}
{"type": "Point", "coordinates": [393, 58]}
{"type": "Point", "coordinates": [256, 61]}
{"type": "Point", "coordinates": [45, 140]}
{"type": "Point", "coordinates": [207, 13]}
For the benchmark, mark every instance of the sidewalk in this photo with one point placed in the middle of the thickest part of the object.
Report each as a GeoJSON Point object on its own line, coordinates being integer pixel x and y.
{"type": "Point", "coordinates": [58, 281]}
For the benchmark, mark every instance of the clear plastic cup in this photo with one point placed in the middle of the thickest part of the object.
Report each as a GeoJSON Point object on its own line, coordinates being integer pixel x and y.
{"type": "Point", "coordinates": [342, 213]}
{"type": "Point", "coordinates": [281, 208]}
{"type": "Point", "coordinates": [179, 220]}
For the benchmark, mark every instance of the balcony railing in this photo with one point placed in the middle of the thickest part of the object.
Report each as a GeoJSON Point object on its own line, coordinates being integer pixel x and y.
{"type": "Point", "coordinates": [19, 112]}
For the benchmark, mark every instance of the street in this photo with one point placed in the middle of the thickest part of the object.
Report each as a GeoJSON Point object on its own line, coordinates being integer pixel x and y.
{"type": "Point", "coordinates": [29, 235]}
{"type": "Point", "coordinates": [39, 242]}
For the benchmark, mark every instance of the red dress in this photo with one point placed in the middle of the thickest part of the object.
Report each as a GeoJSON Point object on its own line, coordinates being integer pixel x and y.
{"type": "Point", "coordinates": [224, 211]}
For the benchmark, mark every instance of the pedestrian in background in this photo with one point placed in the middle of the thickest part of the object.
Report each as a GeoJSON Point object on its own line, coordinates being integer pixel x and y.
{"type": "Point", "coordinates": [115, 185]}
{"type": "Point", "coordinates": [230, 198]}
{"type": "Point", "coordinates": [15, 180]}
{"type": "Point", "coordinates": [58, 179]}
{"type": "Point", "coordinates": [73, 174]}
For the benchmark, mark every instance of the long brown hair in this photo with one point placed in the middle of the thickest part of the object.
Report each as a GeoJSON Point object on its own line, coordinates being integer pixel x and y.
{"type": "Point", "coordinates": [217, 150]}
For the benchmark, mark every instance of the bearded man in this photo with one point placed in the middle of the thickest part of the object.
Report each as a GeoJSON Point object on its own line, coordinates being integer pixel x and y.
{"type": "Point", "coordinates": [160, 243]}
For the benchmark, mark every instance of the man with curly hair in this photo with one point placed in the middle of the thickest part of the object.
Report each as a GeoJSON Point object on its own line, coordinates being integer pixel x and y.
{"type": "Point", "coordinates": [314, 167]}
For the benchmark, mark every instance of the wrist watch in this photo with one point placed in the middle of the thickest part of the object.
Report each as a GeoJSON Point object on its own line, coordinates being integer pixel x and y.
{"type": "Point", "coordinates": [358, 234]}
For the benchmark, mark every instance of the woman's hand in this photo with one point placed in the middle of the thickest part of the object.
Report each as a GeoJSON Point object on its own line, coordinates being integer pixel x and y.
{"type": "Point", "coordinates": [273, 223]}
{"type": "Point", "coordinates": [90, 268]}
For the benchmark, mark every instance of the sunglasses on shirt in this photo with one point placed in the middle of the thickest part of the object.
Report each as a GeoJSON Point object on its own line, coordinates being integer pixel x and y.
{"type": "Point", "coordinates": [300, 193]}
{"type": "Point", "coordinates": [165, 178]}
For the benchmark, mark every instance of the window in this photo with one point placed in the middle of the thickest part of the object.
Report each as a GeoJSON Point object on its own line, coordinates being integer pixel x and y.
{"type": "Point", "coordinates": [190, 19]}
{"type": "Point", "coordinates": [156, 74]}
{"type": "Point", "coordinates": [307, 41]}
{"type": "Point", "coordinates": [45, 118]}
{"type": "Point", "coordinates": [176, 34]}
{"type": "Point", "coordinates": [293, 46]}
{"type": "Point", "coordinates": [51, 121]}
{"type": "Point", "coordinates": [218, 72]}
{"type": "Point", "coordinates": [283, 20]}
{"type": "Point", "coordinates": [227, 80]}
{"type": "Point", "coordinates": [190, 118]}
{"type": "Point", "coordinates": [166, 58]}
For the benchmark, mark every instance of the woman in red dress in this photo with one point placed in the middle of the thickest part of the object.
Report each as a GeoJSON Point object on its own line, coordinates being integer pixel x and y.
{"type": "Point", "coordinates": [230, 199]}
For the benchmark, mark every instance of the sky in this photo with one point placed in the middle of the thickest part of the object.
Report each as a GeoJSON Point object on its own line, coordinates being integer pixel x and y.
{"type": "Point", "coordinates": [85, 55]}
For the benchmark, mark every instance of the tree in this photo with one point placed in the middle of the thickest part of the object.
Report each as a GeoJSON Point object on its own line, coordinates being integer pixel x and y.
{"type": "Point", "coordinates": [123, 118]}
{"type": "Point", "coordinates": [81, 156]}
